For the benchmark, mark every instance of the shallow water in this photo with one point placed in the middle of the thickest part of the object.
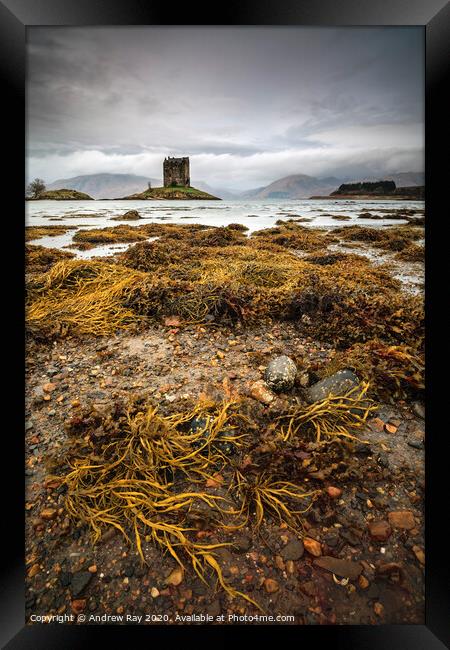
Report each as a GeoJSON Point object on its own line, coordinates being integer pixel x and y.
{"type": "Point", "coordinates": [255, 214]}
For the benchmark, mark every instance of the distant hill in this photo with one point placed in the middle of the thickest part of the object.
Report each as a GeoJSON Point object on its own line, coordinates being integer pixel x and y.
{"type": "Point", "coordinates": [297, 186]}
{"type": "Point", "coordinates": [105, 186]}
{"type": "Point", "coordinates": [63, 194]}
{"type": "Point", "coordinates": [221, 192]}
{"type": "Point", "coordinates": [178, 192]}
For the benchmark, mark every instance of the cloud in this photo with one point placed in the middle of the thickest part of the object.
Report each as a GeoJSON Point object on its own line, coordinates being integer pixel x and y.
{"type": "Point", "coordinates": [248, 105]}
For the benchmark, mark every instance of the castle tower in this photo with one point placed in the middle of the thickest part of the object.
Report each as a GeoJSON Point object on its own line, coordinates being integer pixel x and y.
{"type": "Point", "coordinates": [176, 172]}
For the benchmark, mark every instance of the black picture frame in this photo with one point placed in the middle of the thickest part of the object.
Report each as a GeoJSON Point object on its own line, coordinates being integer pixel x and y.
{"type": "Point", "coordinates": [15, 17]}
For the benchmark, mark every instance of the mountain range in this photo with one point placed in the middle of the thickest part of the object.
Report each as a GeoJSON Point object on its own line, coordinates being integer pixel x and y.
{"type": "Point", "coordinates": [296, 186]}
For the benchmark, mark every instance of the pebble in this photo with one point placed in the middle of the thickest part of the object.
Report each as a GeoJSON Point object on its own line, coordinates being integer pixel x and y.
{"type": "Point", "coordinates": [380, 530]}
{"type": "Point", "coordinates": [334, 492]}
{"type": "Point", "coordinates": [363, 582]}
{"type": "Point", "coordinates": [293, 550]}
{"type": "Point", "coordinates": [378, 609]}
{"type": "Point", "coordinates": [261, 393]}
{"type": "Point", "coordinates": [342, 568]}
{"type": "Point", "coordinates": [48, 514]}
{"type": "Point", "coordinates": [78, 606]}
{"type": "Point", "coordinates": [419, 410]}
{"type": "Point", "coordinates": [312, 546]}
{"type": "Point", "coordinates": [271, 585]}
{"type": "Point", "coordinates": [403, 519]}
{"type": "Point", "coordinates": [420, 555]}
{"type": "Point", "coordinates": [242, 544]}
{"type": "Point", "coordinates": [80, 581]}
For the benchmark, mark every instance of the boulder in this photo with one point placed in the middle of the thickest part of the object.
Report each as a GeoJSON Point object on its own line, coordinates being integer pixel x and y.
{"type": "Point", "coordinates": [131, 215]}
{"type": "Point", "coordinates": [280, 374]}
{"type": "Point", "coordinates": [338, 384]}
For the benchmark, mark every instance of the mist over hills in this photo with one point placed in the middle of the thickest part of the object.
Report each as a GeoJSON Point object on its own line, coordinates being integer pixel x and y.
{"type": "Point", "coordinates": [295, 186]}
{"type": "Point", "coordinates": [105, 186]}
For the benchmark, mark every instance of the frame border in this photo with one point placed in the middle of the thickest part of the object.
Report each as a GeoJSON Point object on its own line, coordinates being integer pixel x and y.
{"type": "Point", "coordinates": [434, 16]}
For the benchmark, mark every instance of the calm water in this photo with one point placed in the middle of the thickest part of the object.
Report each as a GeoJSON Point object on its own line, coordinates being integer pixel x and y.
{"type": "Point", "coordinates": [255, 214]}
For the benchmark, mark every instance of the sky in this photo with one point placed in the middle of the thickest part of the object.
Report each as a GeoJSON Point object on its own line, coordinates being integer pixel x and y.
{"type": "Point", "coordinates": [247, 105]}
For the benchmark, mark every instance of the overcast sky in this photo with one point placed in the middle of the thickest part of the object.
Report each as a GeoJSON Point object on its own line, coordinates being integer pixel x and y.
{"type": "Point", "coordinates": [248, 105]}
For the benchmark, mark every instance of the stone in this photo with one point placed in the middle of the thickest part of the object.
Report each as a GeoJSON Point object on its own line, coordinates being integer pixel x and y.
{"type": "Point", "coordinates": [34, 570]}
{"type": "Point", "coordinates": [333, 492]}
{"type": "Point", "coordinates": [420, 555]}
{"type": "Point", "coordinates": [260, 392]}
{"type": "Point", "coordinates": [342, 568]}
{"type": "Point", "coordinates": [48, 514]}
{"type": "Point", "coordinates": [131, 215]}
{"type": "Point", "coordinates": [175, 578]}
{"type": "Point", "coordinates": [293, 550]}
{"type": "Point", "coordinates": [242, 544]}
{"type": "Point", "coordinates": [419, 410]}
{"type": "Point", "coordinates": [403, 519]}
{"type": "Point", "coordinates": [312, 546]}
{"type": "Point", "coordinates": [378, 609]}
{"type": "Point", "coordinates": [78, 606]}
{"type": "Point", "coordinates": [280, 374]}
{"type": "Point", "coordinates": [271, 585]}
{"type": "Point", "coordinates": [363, 582]}
{"type": "Point", "coordinates": [80, 581]}
{"type": "Point", "coordinates": [380, 530]}
{"type": "Point", "coordinates": [338, 384]}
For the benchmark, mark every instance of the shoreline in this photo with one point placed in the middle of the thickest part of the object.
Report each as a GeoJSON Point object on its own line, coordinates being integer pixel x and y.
{"type": "Point", "coordinates": [191, 340]}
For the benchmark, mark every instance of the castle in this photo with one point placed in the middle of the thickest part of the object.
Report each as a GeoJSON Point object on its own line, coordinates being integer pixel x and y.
{"type": "Point", "coordinates": [176, 172]}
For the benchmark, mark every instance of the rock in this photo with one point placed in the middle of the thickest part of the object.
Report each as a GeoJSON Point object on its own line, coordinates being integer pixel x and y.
{"type": "Point", "coordinates": [92, 568]}
{"type": "Point", "coordinates": [419, 410]}
{"type": "Point", "coordinates": [342, 568]}
{"type": "Point", "coordinates": [271, 585]}
{"type": "Point", "coordinates": [242, 544]}
{"type": "Point", "coordinates": [380, 530]}
{"type": "Point", "coordinates": [78, 606]}
{"type": "Point", "coordinates": [48, 514]}
{"type": "Point", "coordinates": [261, 393]}
{"type": "Point", "coordinates": [34, 570]}
{"type": "Point", "coordinates": [131, 215]}
{"type": "Point", "coordinates": [338, 384]}
{"type": "Point", "coordinates": [378, 609]}
{"type": "Point", "coordinates": [175, 578]}
{"type": "Point", "coordinates": [172, 321]}
{"type": "Point", "coordinates": [403, 519]}
{"type": "Point", "coordinates": [49, 388]}
{"type": "Point", "coordinates": [363, 582]}
{"type": "Point", "coordinates": [420, 555]}
{"type": "Point", "coordinates": [65, 578]}
{"type": "Point", "coordinates": [154, 593]}
{"type": "Point", "coordinates": [312, 546]}
{"type": "Point", "coordinates": [80, 581]}
{"type": "Point", "coordinates": [280, 374]}
{"type": "Point", "coordinates": [417, 444]}
{"type": "Point", "coordinates": [293, 550]}
{"type": "Point", "coordinates": [333, 492]}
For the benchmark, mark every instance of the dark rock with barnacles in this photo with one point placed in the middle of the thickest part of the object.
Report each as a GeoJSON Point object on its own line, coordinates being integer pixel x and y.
{"type": "Point", "coordinates": [280, 374]}
{"type": "Point", "coordinates": [338, 384]}
{"type": "Point", "coordinates": [201, 425]}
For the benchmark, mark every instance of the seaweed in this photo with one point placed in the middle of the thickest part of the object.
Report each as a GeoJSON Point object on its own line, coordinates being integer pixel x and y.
{"type": "Point", "coordinates": [39, 259]}
{"type": "Point", "coordinates": [336, 415]}
{"type": "Point", "coordinates": [394, 372]}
